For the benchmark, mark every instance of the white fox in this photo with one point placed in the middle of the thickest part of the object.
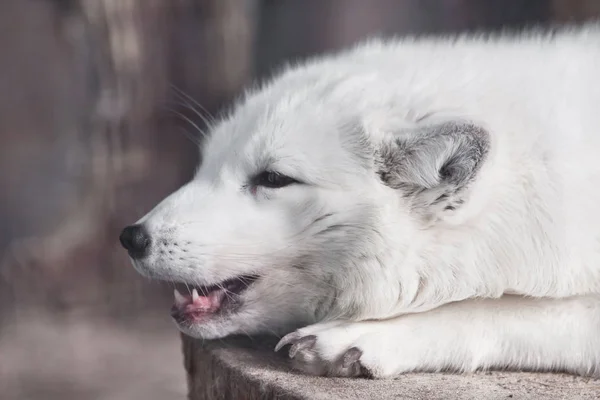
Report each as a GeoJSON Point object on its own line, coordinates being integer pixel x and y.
{"type": "Point", "coordinates": [405, 205]}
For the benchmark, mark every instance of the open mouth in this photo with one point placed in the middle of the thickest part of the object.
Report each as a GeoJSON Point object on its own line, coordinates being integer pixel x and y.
{"type": "Point", "coordinates": [204, 302]}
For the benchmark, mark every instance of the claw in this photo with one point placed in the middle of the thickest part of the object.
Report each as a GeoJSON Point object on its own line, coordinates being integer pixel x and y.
{"type": "Point", "coordinates": [287, 339]}
{"type": "Point", "coordinates": [351, 356]}
{"type": "Point", "coordinates": [303, 343]}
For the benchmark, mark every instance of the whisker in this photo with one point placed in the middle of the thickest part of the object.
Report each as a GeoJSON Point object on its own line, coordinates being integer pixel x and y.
{"type": "Point", "coordinates": [174, 109]}
{"type": "Point", "coordinates": [187, 106]}
{"type": "Point", "coordinates": [266, 328]}
{"type": "Point", "coordinates": [189, 121]}
{"type": "Point", "coordinates": [225, 291]}
{"type": "Point", "coordinates": [191, 137]}
{"type": "Point", "coordinates": [188, 288]}
{"type": "Point", "coordinates": [192, 103]}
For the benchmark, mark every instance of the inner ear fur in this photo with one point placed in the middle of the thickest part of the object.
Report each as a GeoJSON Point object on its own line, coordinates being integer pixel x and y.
{"type": "Point", "coordinates": [433, 164]}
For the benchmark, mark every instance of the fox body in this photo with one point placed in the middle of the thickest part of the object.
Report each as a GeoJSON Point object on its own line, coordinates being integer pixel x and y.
{"type": "Point", "coordinates": [418, 204]}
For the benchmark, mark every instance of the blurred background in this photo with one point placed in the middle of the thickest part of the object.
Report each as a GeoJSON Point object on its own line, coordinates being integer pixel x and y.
{"type": "Point", "coordinates": [98, 102]}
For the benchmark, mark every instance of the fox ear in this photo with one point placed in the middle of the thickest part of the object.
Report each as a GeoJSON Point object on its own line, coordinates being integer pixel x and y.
{"type": "Point", "coordinates": [433, 164]}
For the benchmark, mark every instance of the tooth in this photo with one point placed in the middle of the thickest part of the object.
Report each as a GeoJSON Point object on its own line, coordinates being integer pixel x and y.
{"type": "Point", "coordinates": [179, 299]}
{"type": "Point", "coordinates": [194, 295]}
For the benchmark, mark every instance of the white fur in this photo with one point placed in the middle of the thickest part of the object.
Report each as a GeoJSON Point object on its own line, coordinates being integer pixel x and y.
{"type": "Point", "coordinates": [529, 226]}
{"type": "Point", "coordinates": [511, 332]}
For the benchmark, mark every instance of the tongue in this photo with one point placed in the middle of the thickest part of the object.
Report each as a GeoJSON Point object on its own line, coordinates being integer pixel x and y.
{"type": "Point", "coordinates": [196, 305]}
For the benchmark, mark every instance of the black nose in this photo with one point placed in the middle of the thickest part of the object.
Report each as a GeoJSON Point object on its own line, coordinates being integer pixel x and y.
{"type": "Point", "coordinates": [136, 240]}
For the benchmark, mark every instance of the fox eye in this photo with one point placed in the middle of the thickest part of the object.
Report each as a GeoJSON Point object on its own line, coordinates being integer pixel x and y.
{"type": "Point", "coordinates": [273, 180]}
